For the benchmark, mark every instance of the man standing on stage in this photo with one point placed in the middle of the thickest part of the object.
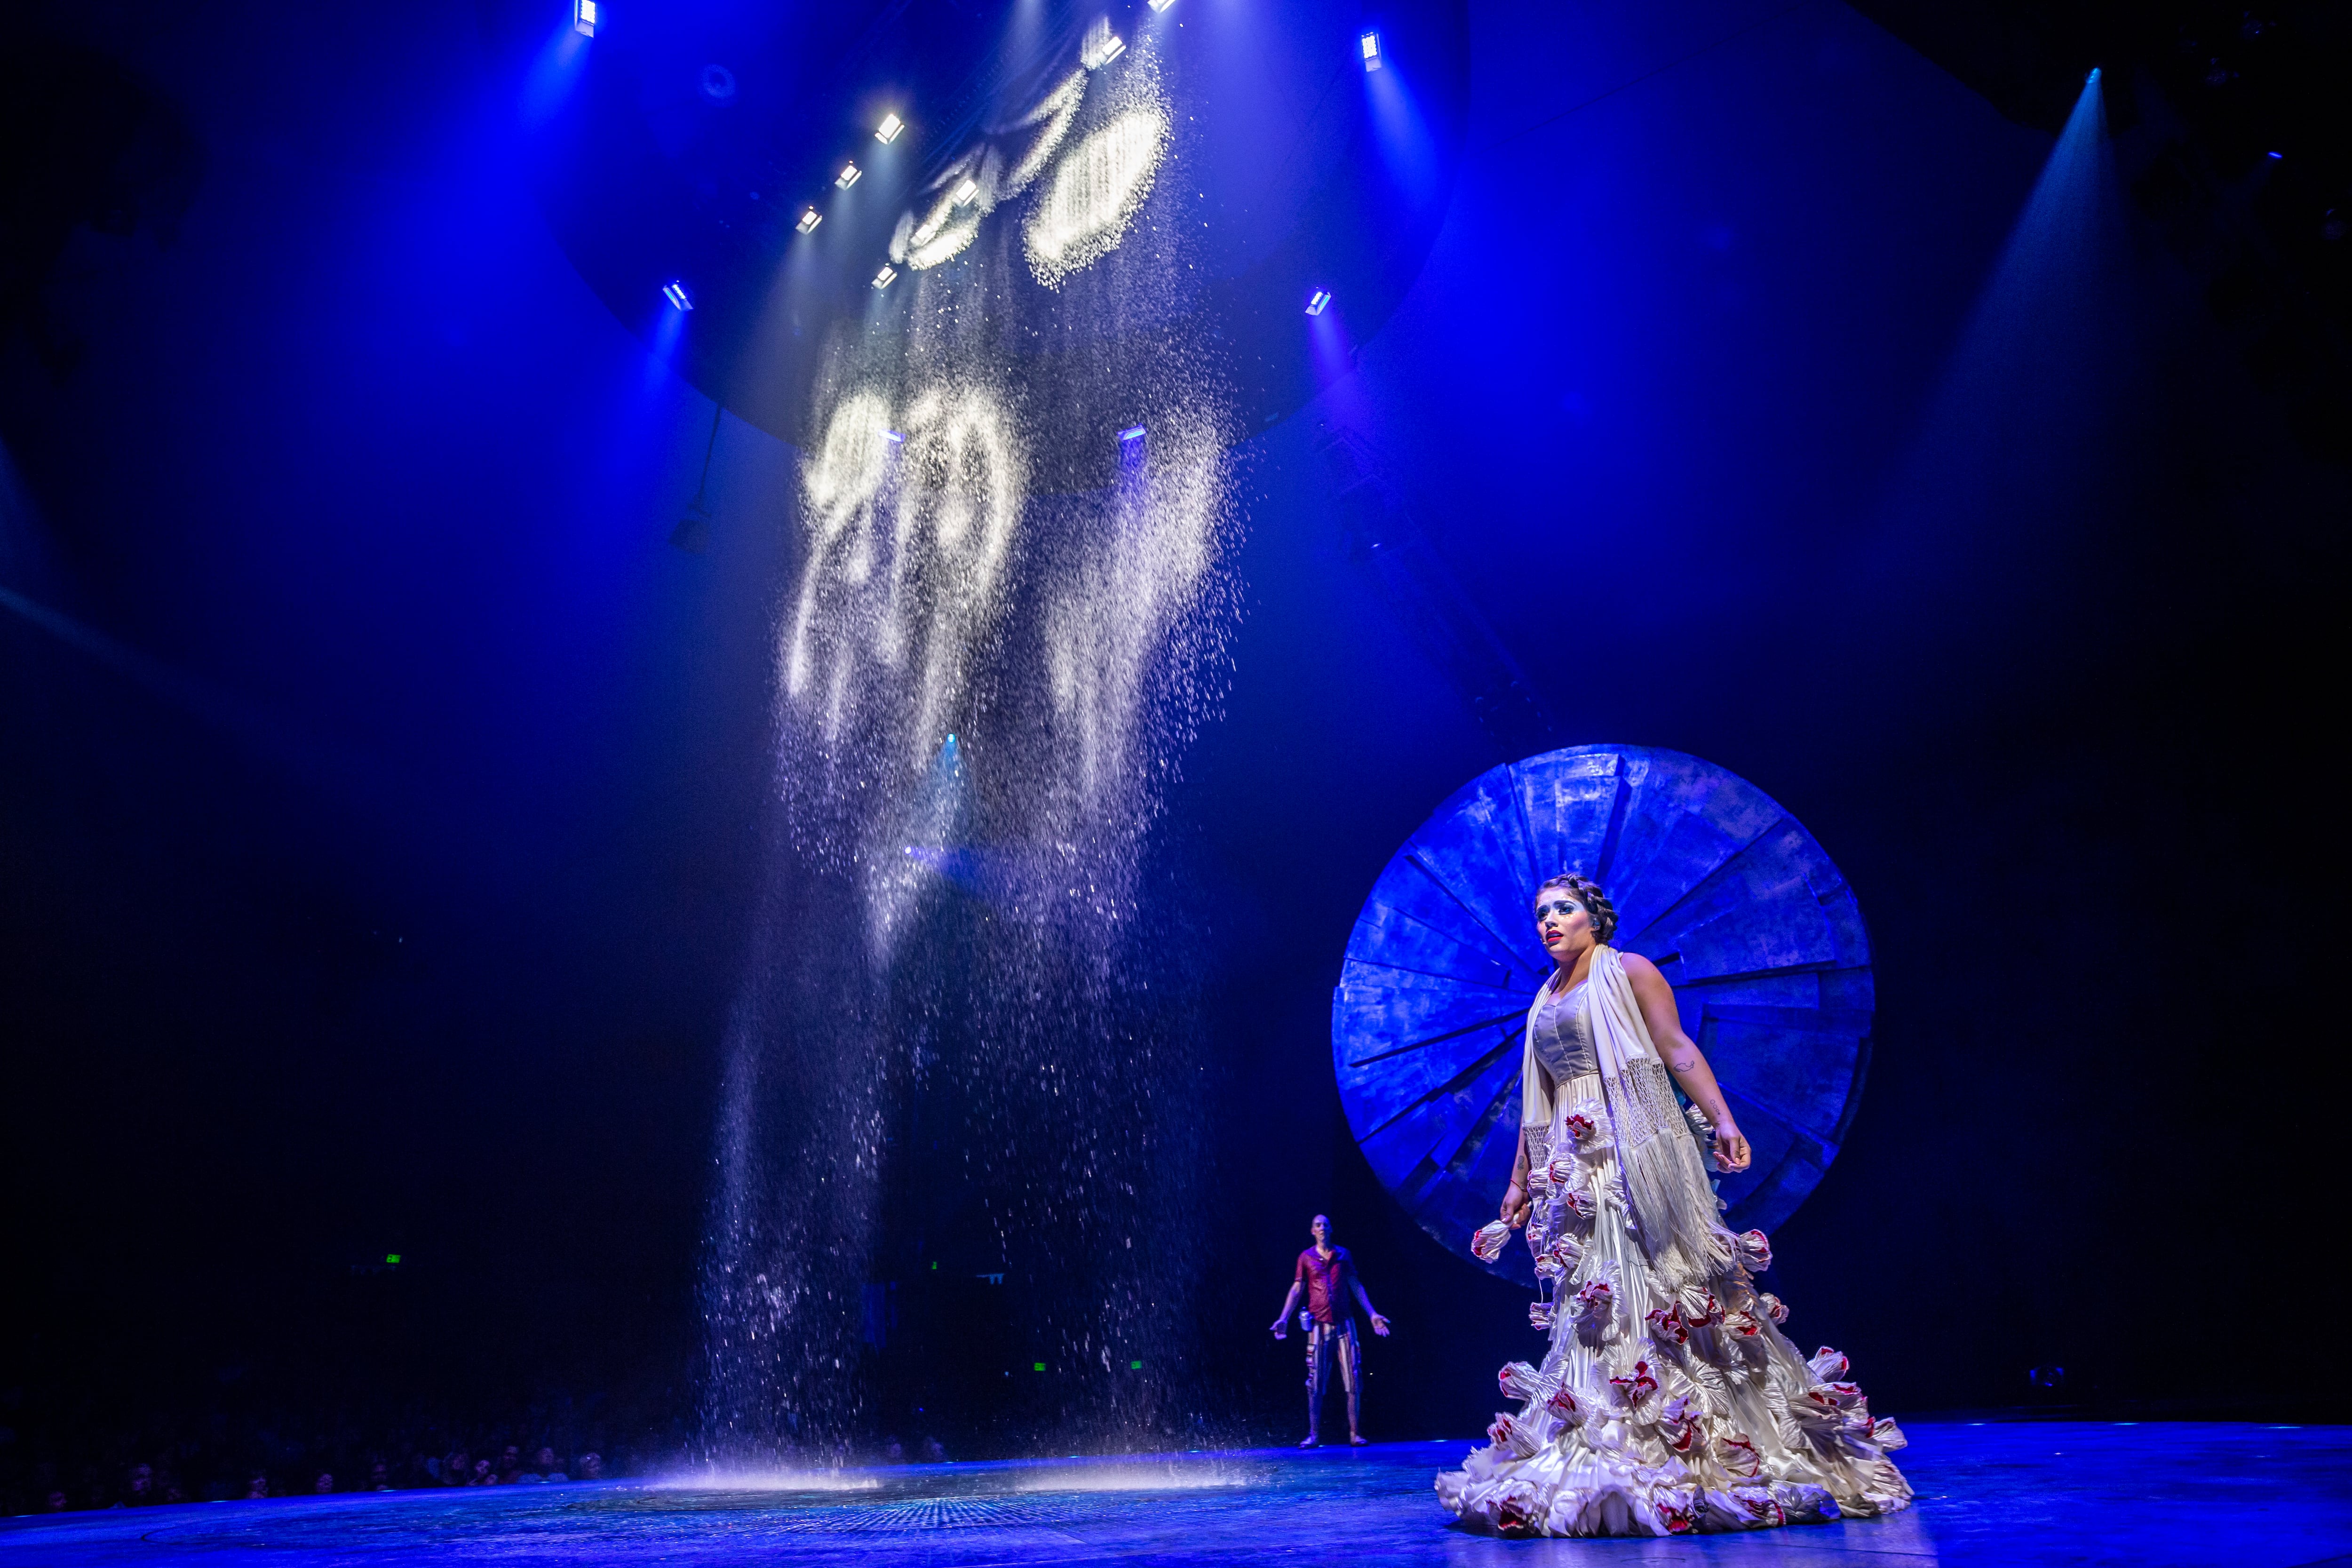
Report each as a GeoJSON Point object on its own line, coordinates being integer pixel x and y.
{"type": "Point", "coordinates": [1328, 1274]}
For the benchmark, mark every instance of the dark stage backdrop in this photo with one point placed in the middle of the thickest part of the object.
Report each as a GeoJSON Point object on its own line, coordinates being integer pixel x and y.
{"type": "Point", "coordinates": [378, 790]}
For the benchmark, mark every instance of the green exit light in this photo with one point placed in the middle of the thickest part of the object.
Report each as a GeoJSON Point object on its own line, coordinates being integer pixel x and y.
{"type": "Point", "coordinates": [1135, 1366]}
{"type": "Point", "coordinates": [935, 1263]}
{"type": "Point", "coordinates": [1037, 1366]}
{"type": "Point", "coordinates": [392, 1257]}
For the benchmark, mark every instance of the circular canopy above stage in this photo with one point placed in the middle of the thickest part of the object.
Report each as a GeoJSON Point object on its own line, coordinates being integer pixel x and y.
{"type": "Point", "coordinates": [1713, 881]}
{"type": "Point", "coordinates": [734, 152]}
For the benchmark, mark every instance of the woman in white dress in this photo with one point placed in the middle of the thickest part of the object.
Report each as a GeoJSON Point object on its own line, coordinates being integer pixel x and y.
{"type": "Point", "coordinates": [1669, 1400]}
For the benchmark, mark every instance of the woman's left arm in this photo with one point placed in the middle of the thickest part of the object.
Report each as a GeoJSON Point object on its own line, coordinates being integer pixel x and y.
{"type": "Point", "coordinates": [1684, 1059]}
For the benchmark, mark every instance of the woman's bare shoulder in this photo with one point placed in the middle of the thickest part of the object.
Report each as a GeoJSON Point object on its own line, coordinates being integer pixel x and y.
{"type": "Point", "coordinates": [1646, 982]}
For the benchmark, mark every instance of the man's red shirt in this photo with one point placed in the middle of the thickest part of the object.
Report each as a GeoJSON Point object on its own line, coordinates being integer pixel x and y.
{"type": "Point", "coordinates": [1331, 1286]}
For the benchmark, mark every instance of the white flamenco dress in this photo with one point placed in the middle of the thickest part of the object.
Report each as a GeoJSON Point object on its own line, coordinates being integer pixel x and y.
{"type": "Point", "coordinates": [1669, 1400]}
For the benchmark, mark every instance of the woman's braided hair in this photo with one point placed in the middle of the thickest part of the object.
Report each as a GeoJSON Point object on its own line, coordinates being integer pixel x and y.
{"type": "Point", "coordinates": [1585, 891]}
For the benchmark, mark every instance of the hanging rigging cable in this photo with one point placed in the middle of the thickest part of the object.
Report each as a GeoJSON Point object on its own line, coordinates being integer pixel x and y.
{"type": "Point", "coordinates": [693, 530]}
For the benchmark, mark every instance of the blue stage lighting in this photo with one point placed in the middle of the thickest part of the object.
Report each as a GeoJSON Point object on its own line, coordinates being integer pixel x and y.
{"type": "Point", "coordinates": [850, 174]}
{"type": "Point", "coordinates": [1370, 45]}
{"type": "Point", "coordinates": [898, 439]}
{"type": "Point", "coordinates": [887, 131]}
{"type": "Point", "coordinates": [1161, 4]}
{"type": "Point", "coordinates": [882, 280]}
{"type": "Point", "coordinates": [675, 292]}
{"type": "Point", "coordinates": [1316, 300]}
{"type": "Point", "coordinates": [1133, 433]}
{"type": "Point", "coordinates": [809, 219]}
{"type": "Point", "coordinates": [583, 17]}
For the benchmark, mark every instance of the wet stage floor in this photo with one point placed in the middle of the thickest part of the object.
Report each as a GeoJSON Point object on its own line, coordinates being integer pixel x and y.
{"type": "Point", "coordinates": [2154, 1494]}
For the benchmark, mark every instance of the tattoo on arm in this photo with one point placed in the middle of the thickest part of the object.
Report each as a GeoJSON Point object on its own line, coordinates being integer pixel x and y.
{"type": "Point", "coordinates": [1685, 1064]}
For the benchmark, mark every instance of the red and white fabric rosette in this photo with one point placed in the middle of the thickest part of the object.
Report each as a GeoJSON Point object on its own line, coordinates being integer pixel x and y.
{"type": "Point", "coordinates": [1840, 1397]}
{"type": "Point", "coordinates": [1827, 1365]}
{"type": "Point", "coordinates": [1511, 1434]}
{"type": "Point", "coordinates": [1519, 1513]}
{"type": "Point", "coordinates": [1887, 1434]}
{"type": "Point", "coordinates": [1575, 1200]}
{"type": "Point", "coordinates": [1587, 1126]}
{"type": "Point", "coordinates": [1762, 1509]}
{"type": "Point", "coordinates": [1487, 1242]}
{"type": "Point", "coordinates": [1736, 1453]}
{"type": "Point", "coordinates": [1680, 1429]}
{"type": "Point", "coordinates": [1774, 1308]}
{"type": "Point", "coordinates": [1595, 1303]}
{"type": "Point", "coordinates": [1667, 1327]}
{"type": "Point", "coordinates": [1559, 1256]}
{"type": "Point", "coordinates": [1565, 1406]}
{"type": "Point", "coordinates": [1742, 1326]}
{"type": "Point", "coordinates": [1636, 1388]}
{"type": "Point", "coordinates": [1677, 1511]}
{"type": "Point", "coordinates": [1521, 1382]}
{"type": "Point", "coordinates": [1540, 1314]}
{"type": "Point", "coordinates": [1755, 1249]}
{"type": "Point", "coordinates": [1698, 1307]}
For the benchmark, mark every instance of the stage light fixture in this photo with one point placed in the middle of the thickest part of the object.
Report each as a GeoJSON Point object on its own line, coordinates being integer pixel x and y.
{"type": "Point", "coordinates": [809, 219]}
{"type": "Point", "coordinates": [675, 292]}
{"type": "Point", "coordinates": [882, 280]}
{"type": "Point", "coordinates": [1161, 4]}
{"type": "Point", "coordinates": [850, 174]}
{"type": "Point", "coordinates": [1371, 43]}
{"type": "Point", "coordinates": [583, 17]}
{"type": "Point", "coordinates": [887, 131]}
{"type": "Point", "coordinates": [1316, 300]}
{"type": "Point", "coordinates": [1101, 46]}
{"type": "Point", "coordinates": [962, 195]}
{"type": "Point", "coordinates": [1133, 433]}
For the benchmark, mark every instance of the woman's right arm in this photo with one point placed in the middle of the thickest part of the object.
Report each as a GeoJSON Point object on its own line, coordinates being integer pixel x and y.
{"type": "Point", "coordinates": [1515, 1197]}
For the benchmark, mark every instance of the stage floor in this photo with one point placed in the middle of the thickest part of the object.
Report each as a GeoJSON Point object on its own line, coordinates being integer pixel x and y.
{"type": "Point", "coordinates": [2169, 1493]}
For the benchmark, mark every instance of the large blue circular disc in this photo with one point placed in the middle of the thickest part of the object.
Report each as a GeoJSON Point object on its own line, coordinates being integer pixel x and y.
{"type": "Point", "coordinates": [1713, 881]}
